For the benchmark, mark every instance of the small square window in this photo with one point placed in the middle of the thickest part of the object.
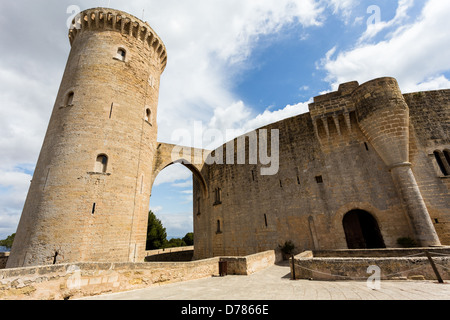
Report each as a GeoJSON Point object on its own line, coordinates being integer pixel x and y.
{"type": "Point", "coordinates": [121, 54]}
{"type": "Point", "coordinates": [319, 179]}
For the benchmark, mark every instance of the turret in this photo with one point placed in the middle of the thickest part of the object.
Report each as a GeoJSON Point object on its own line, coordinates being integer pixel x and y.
{"type": "Point", "coordinates": [383, 117]}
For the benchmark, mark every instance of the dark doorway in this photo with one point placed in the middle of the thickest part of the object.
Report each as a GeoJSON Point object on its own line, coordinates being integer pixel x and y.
{"type": "Point", "coordinates": [362, 231]}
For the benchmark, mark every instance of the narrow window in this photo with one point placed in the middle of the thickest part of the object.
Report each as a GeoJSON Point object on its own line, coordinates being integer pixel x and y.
{"type": "Point", "coordinates": [218, 196]}
{"type": "Point", "coordinates": [69, 99]}
{"type": "Point", "coordinates": [111, 110]}
{"type": "Point", "coordinates": [440, 162]}
{"type": "Point", "coordinates": [93, 208]}
{"type": "Point", "coordinates": [366, 145]}
{"type": "Point", "coordinates": [298, 180]}
{"type": "Point", "coordinates": [436, 220]}
{"type": "Point", "coordinates": [198, 206]}
{"type": "Point", "coordinates": [265, 220]}
{"type": "Point", "coordinates": [101, 163]}
{"type": "Point", "coordinates": [219, 230]}
{"type": "Point", "coordinates": [319, 179]}
{"type": "Point", "coordinates": [281, 184]}
{"type": "Point", "coordinates": [55, 257]}
{"type": "Point", "coordinates": [121, 54]}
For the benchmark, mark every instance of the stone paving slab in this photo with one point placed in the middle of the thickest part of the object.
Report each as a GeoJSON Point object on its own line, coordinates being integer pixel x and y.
{"type": "Point", "coordinates": [274, 284]}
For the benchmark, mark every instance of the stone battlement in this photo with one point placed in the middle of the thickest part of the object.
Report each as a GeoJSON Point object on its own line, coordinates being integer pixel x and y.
{"type": "Point", "coordinates": [115, 20]}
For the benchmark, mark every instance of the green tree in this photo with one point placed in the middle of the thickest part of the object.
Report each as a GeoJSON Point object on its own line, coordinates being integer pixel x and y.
{"type": "Point", "coordinates": [8, 242]}
{"type": "Point", "coordinates": [156, 233]}
{"type": "Point", "coordinates": [189, 239]}
{"type": "Point", "coordinates": [175, 243]}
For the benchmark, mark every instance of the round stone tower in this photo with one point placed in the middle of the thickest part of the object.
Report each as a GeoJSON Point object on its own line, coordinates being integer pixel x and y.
{"type": "Point", "coordinates": [383, 116]}
{"type": "Point", "coordinates": [89, 197]}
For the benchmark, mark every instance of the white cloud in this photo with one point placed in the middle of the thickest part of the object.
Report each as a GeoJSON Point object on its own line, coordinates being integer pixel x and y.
{"type": "Point", "coordinates": [185, 184]}
{"type": "Point", "coordinates": [342, 7]}
{"type": "Point", "coordinates": [401, 14]}
{"type": "Point", "coordinates": [175, 172]}
{"type": "Point", "coordinates": [177, 224]}
{"type": "Point", "coordinates": [416, 54]}
{"type": "Point", "coordinates": [13, 191]}
{"type": "Point", "coordinates": [268, 117]}
{"type": "Point", "coordinates": [156, 209]}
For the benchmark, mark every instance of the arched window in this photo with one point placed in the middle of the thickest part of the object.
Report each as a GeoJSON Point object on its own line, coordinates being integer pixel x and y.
{"type": "Point", "coordinates": [121, 54]}
{"type": "Point", "coordinates": [441, 159]}
{"type": "Point", "coordinates": [101, 164]}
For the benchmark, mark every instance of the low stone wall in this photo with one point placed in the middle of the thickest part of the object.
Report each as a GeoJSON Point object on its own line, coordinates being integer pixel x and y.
{"type": "Point", "coordinates": [67, 281]}
{"type": "Point", "coordinates": [3, 259]}
{"type": "Point", "coordinates": [416, 266]}
{"type": "Point", "coordinates": [87, 279]}
{"type": "Point", "coordinates": [252, 263]}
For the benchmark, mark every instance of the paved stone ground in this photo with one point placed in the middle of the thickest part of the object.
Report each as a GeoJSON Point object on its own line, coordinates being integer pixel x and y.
{"type": "Point", "coordinates": [274, 284]}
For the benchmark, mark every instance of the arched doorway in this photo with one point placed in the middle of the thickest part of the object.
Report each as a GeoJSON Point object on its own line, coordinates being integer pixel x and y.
{"type": "Point", "coordinates": [362, 231]}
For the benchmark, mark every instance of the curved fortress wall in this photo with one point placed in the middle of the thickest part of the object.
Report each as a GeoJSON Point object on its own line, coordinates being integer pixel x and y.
{"type": "Point", "coordinates": [329, 166]}
{"type": "Point", "coordinates": [88, 200]}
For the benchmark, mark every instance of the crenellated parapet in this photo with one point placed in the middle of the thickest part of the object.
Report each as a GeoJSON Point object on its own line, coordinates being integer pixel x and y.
{"type": "Point", "coordinates": [333, 113]}
{"type": "Point", "coordinates": [115, 20]}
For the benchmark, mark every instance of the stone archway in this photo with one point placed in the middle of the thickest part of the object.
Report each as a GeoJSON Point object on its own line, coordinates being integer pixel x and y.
{"type": "Point", "coordinates": [362, 231]}
{"type": "Point", "coordinates": [165, 158]}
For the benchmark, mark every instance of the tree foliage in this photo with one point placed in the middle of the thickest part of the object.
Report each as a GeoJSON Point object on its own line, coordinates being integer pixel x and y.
{"type": "Point", "coordinates": [8, 242]}
{"type": "Point", "coordinates": [189, 239]}
{"type": "Point", "coordinates": [157, 236]}
{"type": "Point", "coordinates": [156, 233]}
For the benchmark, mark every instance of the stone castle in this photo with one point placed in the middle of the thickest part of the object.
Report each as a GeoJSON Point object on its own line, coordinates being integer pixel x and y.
{"type": "Point", "coordinates": [366, 166]}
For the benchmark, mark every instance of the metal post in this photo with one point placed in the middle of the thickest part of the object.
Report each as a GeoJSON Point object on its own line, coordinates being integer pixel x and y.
{"type": "Point", "coordinates": [436, 271]}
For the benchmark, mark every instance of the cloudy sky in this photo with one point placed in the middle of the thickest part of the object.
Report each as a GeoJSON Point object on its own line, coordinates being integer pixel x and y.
{"type": "Point", "coordinates": [233, 64]}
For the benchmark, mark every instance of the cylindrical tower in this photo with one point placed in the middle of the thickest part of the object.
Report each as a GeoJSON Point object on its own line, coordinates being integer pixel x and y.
{"type": "Point", "coordinates": [383, 117]}
{"type": "Point", "coordinates": [89, 197]}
